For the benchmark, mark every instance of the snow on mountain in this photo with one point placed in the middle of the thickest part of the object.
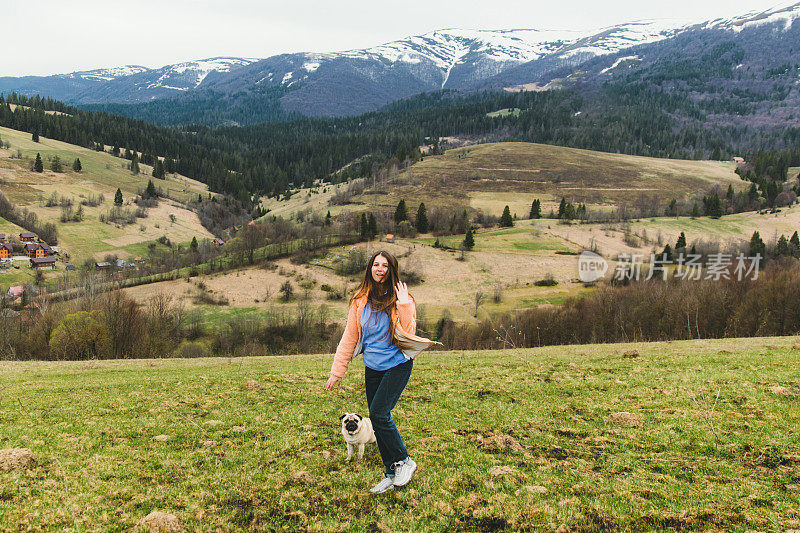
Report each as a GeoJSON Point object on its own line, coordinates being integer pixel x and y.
{"type": "Point", "coordinates": [618, 61]}
{"type": "Point", "coordinates": [106, 74]}
{"type": "Point", "coordinates": [450, 48]}
{"type": "Point", "coordinates": [188, 75]}
{"type": "Point", "coordinates": [785, 14]}
{"type": "Point", "coordinates": [616, 38]}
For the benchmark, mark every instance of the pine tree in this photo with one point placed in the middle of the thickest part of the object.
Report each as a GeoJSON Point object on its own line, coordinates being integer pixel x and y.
{"type": "Point", "coordinates": [55, 164]}
{"type": "Point", "coordinates": [693, 251]}
{"type": "Point", "coordinates": [150, 191]}
{"type": "Point", "coordinates": [536, 210]}
{"type": "Point", "coordinates": [373, 226]}
{"type": "Point", "coordinates": [469, 241]}
{"type": "Point", "coordinates": [328, 218]}
{"type": "Point", "coordinates": [35, 136]}
{"type": "Point", "coordinates": [193, 245]}
{"type": "Point", "coordinates": [667, 253]}
{"type": "Point", "coordinates": [364, 227]}
{"type": "Point", "coordinates": [730, 193]}
{"type": "Point", "coordinates": [505, 219]}
{"type": "Point", "coordinates": [158, 169]}
{"type": "Point", "coordinates": [562, 207]}
{"type": "Point", "coordinates": [795, 240]}
{"type": "Point", "coordinates": [422, 219]}
{"type": "Point", "coordinates": [782, 248]}
{"type": "Point", "coordinates": [118, 197]}
{"type": "Point", "coordinates": [400, 214]}
{"type": "Point", "coordinates": [134, 164]}
{"type": "Point", "coordinates": [76, 165]}
{"type": "Point", "coordinates": [38, 166]}
{"type": "Point", "coordinates": [695, 211]}
{"type": "Point", "coordinates": [681, 244]}
{"type": "Point", "coordinates": [757, 245]}
{"type": "Point", "coordinates": [713, 206]}
{"type": "Point", "coordinates": [752, 193]}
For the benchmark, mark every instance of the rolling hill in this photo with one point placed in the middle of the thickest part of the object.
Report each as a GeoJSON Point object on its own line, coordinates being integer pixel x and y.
{"type": "Point", "coordinates": [102, 174]}
{"type": "Point", "coordinates": [489, 176]}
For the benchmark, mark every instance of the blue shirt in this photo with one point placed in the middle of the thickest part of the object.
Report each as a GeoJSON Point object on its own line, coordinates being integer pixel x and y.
{"type": "Point", "coordinates": [379, 352]}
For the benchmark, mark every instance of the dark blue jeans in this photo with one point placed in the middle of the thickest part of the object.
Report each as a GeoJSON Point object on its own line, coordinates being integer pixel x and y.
{"type": "Point", "coordinates": [383, 390]}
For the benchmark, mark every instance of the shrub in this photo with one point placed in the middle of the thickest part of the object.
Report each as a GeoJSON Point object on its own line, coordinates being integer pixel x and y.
{"type": "Point", "coordinates": [80, 336]}
{"type": "Point", "coordinates": [354, 263]}
{"type": "Point", "coordinates": [287, 291]}
{"type": "Point", "coordinates": [191, 350]}
{"type": "Point", "coordinates": [548, 281]}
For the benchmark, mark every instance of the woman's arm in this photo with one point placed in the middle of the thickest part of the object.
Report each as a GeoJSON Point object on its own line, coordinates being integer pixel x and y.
{"type": "Point", "coordinates": [344, 351]}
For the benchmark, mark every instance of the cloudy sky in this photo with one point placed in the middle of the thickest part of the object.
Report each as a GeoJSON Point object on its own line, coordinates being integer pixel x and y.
{"type": "Point", "coordinates": [43, 37]}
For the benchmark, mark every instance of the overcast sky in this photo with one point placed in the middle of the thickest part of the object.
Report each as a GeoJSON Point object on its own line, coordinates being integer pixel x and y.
{"type": "Point", "coordinates": [41, 37]}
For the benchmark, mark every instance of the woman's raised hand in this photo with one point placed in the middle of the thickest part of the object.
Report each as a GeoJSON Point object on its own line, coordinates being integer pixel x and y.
{"type": "Point", "coordinates": [332, 383]}
{"type": "Point", "coordinates": [401, 289]}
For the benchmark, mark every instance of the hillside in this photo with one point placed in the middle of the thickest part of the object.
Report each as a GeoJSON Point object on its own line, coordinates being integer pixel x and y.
{"type": "Point", "coordinates": [101, 174]}
{"type": "Point", "coordinates": [511, 439]}
{"type": "Point", "coordinates": [490, 176]}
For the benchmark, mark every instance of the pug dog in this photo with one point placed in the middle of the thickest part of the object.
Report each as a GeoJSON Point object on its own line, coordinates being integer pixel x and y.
{"type": "Point", "coordinates": [356, 430]}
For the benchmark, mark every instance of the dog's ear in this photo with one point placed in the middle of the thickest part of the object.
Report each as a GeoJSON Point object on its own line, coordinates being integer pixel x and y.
{"type": "Point", "coordinates": [358, 416]}
{"type": "Point", "coordinates": [342, 417]}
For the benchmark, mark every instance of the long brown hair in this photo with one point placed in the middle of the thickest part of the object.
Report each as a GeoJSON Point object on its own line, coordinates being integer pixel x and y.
{"type": "Point", "coordinates": [381, 296]}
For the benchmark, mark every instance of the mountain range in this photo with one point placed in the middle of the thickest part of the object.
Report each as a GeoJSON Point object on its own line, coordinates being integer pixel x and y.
{"type": "Point", "coordinates": [357, 81]}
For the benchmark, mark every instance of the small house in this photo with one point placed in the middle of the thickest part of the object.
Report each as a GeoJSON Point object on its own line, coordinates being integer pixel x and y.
{"type": "Point", "coordinates": [6, 250]}
{"type": "Point", "coordinates": [15, 291]}
{"type": "Point", "coordinates": [121, 263]}
{"type": "Point", "coordinates": [34, 249]}
{"type": "Point", "coordinates": [70, 267]}
{"type": "Point", "coordinates": [389, 237]}
{"type": "Point", "coordinates": [27, 236]}
{"type": "Point", "coordinates": [738, 159]}
{"type": "Point", "coordinates": [46, 248]}
{"type": "Point", "coordinates": [43, 263]}
{"type": "Point", "coordinates": [104, 265]}
{"type": "Point", "coordinates": [218, 241]}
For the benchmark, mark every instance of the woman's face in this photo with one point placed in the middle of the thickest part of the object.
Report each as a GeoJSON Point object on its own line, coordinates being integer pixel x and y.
{"type": "Point", "coordinates": [380, 268]}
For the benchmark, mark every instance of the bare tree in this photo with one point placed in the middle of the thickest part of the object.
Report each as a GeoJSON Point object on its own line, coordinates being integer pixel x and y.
{"type": "Point", "coordinates": [479, 298]}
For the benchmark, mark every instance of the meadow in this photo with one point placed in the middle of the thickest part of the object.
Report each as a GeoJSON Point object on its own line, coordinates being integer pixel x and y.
{"type": "Point", "coordinates": [688, 435]}
{"type": "Point", "coordinates": [490, 176]}
{"type": "Point", "coordinates": [101, 174]}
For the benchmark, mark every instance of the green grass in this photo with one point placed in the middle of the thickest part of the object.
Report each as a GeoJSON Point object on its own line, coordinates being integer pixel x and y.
{"type": "Point", "coordinates": [522, 240]}
{"type": "Point", "coordinates": [277, 459]}
{"type": "Point", "coordinates": [514, 111]}
{"type": "Point", "coordinates": [101, 174]}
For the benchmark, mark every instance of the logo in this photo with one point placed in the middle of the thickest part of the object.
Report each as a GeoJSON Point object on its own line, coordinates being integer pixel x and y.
{"type": "Point", "coordinates": [591, 266]}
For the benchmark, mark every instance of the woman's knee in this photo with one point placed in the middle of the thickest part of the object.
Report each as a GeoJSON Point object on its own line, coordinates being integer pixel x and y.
{"type": "Point", "coordinates": [380, 420]}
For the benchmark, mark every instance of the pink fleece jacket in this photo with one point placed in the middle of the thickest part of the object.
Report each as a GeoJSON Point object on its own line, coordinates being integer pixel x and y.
{"type": "Point", "coordinates": [404, 316]}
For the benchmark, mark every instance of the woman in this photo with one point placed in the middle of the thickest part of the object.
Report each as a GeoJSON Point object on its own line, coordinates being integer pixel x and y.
{"type": "Point", "coordinates": [381, 323]}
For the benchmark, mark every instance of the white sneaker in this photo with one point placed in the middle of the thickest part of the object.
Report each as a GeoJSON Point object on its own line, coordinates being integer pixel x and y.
{"type": "Point", "coordinates": [383, 485]}
{"type": "Point", "coordinates": [403, 470]}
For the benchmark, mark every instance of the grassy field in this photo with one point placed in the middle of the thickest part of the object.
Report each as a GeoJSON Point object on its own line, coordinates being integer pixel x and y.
{"type": "Point", "coordinates": [505, 440]}
{"type": "Point", "coordinates": [101, 174]}
{"type": "Point", "coordinates": [509, 111]}
{"type": "Point", "coordinates": [490, 176]}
